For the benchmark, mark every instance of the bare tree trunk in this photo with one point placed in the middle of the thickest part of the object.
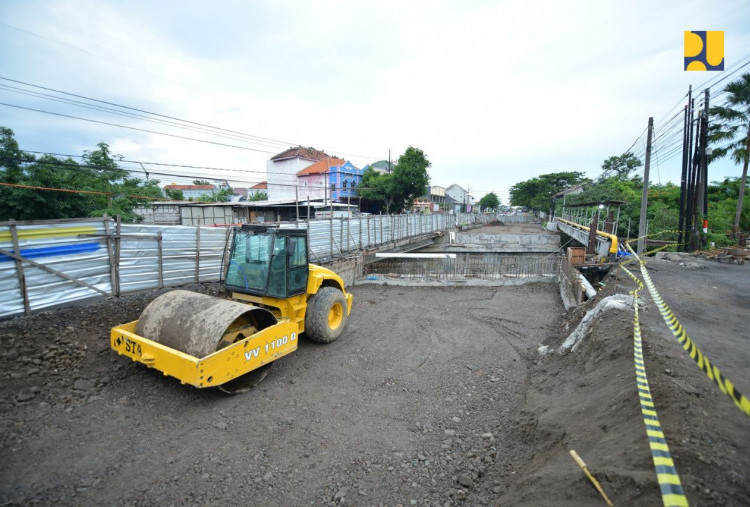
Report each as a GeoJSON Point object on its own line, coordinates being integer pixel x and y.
{"type": "Point", "coordinates": [743, 182]}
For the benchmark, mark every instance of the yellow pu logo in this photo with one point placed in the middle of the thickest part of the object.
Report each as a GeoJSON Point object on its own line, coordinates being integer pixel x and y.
{"type": "Point", "coordinates": [704, 50]}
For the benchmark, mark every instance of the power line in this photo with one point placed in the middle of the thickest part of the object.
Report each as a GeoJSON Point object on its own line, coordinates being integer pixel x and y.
{"type": "Point", "coordinates": [742, 63]}
{"type": "Point", "coordinates": [35, 187]}
{"type": "Point", "coordinates": [724, 75]}
{"type": "Point", "coordinates": [136, 116]}
{"type": "Point", "coordinates": [144, 111]}
{"type": "Point", "coordinates": [62, 165]}
{"type": "Point", "coordinates": [219, 131]}
{"type": "Point", "coordinates": [102, 57]}
{"type": "Point", "coordinates": [164, 164]}
{"type": "Point", "coordinates": [636, 140]}
{"type": "Point", "coordinates": [135, 128]}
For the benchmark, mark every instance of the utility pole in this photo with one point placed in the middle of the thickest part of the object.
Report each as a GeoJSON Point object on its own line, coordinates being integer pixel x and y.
{"type": "Point", "coordinates": [683, 179]}
{"type": "Point", "coordinates": [743, 182]}
{"type": "Point", "coordinates": [689, 188]}
{"type": "Point", "coordinates": [296, 203]}
{"type": "Point", "coordinates": [593, 227]}
{"type": "Point", "coordinates": [697, 204]}
{"type": "Point", "coordinates": [144, 170]}
{"type": "Point", "coordinates": [644, 197]}
{"type": "Point", "coordinates": [704, 163]}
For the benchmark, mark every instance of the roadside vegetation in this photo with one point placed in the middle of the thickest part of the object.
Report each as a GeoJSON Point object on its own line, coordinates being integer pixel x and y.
{"type": "Point", "coordinates": [728, 211]}
{"type": "Point", "coordinates": [48, 187]}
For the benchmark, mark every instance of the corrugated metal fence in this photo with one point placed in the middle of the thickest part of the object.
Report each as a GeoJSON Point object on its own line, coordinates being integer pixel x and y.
{"type": "Point", "coordinates": [337, 236]}
{"type": "Point", "coordinates": [46, 263]}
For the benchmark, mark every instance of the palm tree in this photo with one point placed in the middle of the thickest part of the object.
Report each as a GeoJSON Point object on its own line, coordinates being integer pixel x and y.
{"type": "Point", "coordinates": [731, 130]}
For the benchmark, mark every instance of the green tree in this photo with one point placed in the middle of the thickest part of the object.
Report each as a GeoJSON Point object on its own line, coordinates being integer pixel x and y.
{"type": "Point", "coordinates": [202, 182]}
{"type": "Point", "coordinates": [409, 179]}
{"type": "Point", "coordinates": [372, 190]}
{"type": "Point", "coordinates": [11, 157]}
{"type": "Point", "coordinates": [619, 167]}
{"type": "Point", "coordinates": [397, 190]}
{"type": "Point", "coordinates": [175, 195]}
{"type": "Point", "coordinates": [63, 188]}
{"type": "Point", "coordinates": [537, 192]}
{"type": "Point", "coordinates": [12, 163]}
{"type": "Point", "coordinates": [218, 195]}
{"type": "Point", "coordinates": [50, 172]}
{"type": "Point", "coordinates": [730, 130]}
{"type": "Point", "coordinates": [259, 196]}
{"type": "Point", "coordinates": [103, 175]}
{"type": "Point", "coordinates": [490, 201]}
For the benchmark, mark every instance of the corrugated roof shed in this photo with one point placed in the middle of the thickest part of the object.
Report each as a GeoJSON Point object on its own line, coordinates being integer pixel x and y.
{"type": "Point", "coordinates": [189, 187]}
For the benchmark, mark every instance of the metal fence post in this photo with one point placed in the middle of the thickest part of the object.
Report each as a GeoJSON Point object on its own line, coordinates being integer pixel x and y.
{"type": "Point", "coordinates": [330, 229]}
{"type": "Point", "coordinates": [19, 270]}
{"type": "Point", "coordinates": [161, 261]}
{"type": "Point", "coordinates": [198, 253]}
{"type": "Point", "coordinates": [111, 255]}
{"type": "Point", "coordinates": [118, 253]}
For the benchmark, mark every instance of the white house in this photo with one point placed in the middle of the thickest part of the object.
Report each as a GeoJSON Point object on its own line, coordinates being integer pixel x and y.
{"type": "Point", "coordinates": [461, 196]}
{"type": "Point", "coordinates": [314, 179]}
{"type": "Point", "coordinates": [282, 171]}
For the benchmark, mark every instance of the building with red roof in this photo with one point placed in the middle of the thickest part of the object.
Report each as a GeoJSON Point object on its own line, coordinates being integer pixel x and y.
{"type": "Point", "coordinates": [313, 180]}
{"type": "Point", "coordinates": [282, 171]}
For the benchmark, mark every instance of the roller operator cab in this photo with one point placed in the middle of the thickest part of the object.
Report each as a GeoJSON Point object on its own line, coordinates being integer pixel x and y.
{"type": "Point", "coordinates": [267, 261]}
{"type": "Point", "coordinates": [276, 295]}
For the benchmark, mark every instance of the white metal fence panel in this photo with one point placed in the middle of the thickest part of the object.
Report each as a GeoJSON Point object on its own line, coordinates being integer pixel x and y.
{"type": "Point", "coordinates": [155, 256]}
{"type": "Point", "coordinates": [77, 250]}
{"type": "Point", "coordinates": [65, 261]}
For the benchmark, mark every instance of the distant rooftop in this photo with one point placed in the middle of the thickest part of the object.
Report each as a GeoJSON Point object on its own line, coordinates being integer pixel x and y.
{"type": "Point", "coordinates": [321, 166]}
{"type": "Point", "coordinates": [310, 154]}
{"type": "Point", "coordinates": [381, 165]}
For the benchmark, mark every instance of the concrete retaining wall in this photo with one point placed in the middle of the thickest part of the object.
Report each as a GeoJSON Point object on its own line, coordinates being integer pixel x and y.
{"type": "Point", "coordinates": [511, 243]}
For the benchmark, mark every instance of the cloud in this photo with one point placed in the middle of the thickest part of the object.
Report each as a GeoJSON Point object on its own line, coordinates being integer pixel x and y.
{"type": "Point", "coordinates": [493, 92]}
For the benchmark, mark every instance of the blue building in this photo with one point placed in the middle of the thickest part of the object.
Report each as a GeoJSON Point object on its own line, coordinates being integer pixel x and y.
{"type": "Point", "coordinates": [344, 181]}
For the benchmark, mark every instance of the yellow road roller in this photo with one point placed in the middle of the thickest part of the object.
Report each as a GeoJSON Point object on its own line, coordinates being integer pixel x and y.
{"type": "Point", "coordinates": [277, 295]}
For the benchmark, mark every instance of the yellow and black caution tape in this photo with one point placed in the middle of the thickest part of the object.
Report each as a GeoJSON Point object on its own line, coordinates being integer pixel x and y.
{"type": "Point", "coordinates": [666, 473]}
{"type": "Point", "coordinates": [649, 252]}
{"type": "Point", "coordinates": [635, 278]}
{"type": "Point", "coordinates": [653, 235]}
{"type": "Point", "coordinates": [725, 385]}
{"type": "Point", "coordinates": [672, 493]}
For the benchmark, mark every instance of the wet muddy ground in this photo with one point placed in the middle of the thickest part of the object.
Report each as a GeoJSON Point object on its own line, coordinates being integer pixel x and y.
{"type": "Point", "coordinates": [431, 396]}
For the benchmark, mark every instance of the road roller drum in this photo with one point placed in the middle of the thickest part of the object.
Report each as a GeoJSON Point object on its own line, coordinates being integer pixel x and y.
{"type": "Point", "coordinates": [200, 325]}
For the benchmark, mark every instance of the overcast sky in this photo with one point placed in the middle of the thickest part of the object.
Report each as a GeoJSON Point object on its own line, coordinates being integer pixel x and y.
{"type": "Point", "coordinates": [493, 92]}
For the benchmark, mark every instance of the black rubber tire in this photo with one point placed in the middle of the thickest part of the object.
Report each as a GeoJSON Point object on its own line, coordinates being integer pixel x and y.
{"type": "Point", "coordinates": [319, 307]}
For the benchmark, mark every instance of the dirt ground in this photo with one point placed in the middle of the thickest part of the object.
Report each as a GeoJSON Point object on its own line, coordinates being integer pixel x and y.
{"type": "Point", "coordinates": [431, 396]}
{"type": "Point", "coordinates": [587, 400]}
